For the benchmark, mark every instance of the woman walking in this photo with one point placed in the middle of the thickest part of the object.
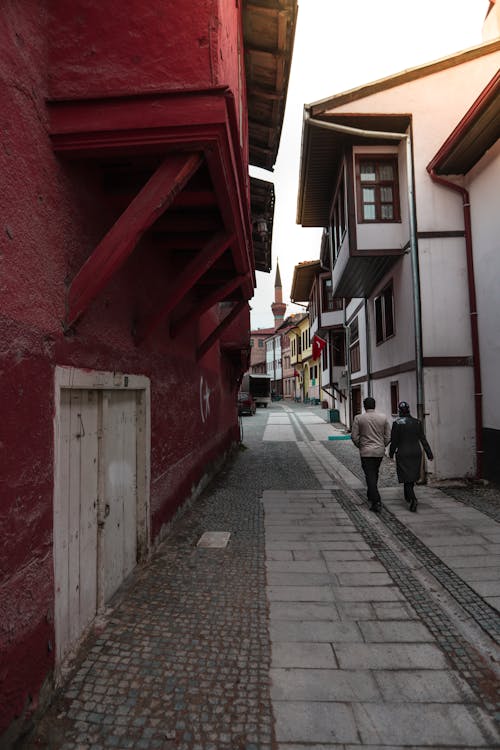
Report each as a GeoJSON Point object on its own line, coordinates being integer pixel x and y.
{"type": "Point", "coordinates": [407, 441]}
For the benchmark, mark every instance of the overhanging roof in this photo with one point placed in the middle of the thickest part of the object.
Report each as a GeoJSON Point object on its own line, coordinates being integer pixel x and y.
{"type": "Point", "coordinates": [262, 208]}
{"type": "Point", "coordinates": [478, 130]}
{"type": "Point", "coordinates": [322, 150]}
{"type": "Point", "coordinates": [303, 278]}
{"type": "Point", "coordinates": [268, 32]}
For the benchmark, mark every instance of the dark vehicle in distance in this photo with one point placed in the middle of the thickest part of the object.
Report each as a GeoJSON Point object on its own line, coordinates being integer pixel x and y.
{"type": "Point", "coordinates": [246, 403]}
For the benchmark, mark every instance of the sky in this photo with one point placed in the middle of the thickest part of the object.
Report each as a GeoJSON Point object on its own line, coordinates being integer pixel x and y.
{"type": "Point", "coordinates": [339, 45]}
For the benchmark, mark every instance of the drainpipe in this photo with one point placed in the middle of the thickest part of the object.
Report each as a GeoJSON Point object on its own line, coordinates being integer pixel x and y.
{"type": "Point", "coordinates": [368, 351]}
{"type": "Point", "coordinates": [476, 359]}
{"type": "Point", "coordinates": [413, 241]}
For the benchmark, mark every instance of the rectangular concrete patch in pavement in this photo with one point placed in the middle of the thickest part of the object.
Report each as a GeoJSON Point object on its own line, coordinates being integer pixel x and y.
{"type": "Point", "coordinates": [420, 724]}
{"type": "Point", "coordinates": [298, 721]}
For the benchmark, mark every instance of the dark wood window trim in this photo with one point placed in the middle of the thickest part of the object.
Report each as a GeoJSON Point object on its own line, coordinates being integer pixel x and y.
{"type": "Point", "coordinates": [394, 397]}
{"type": "Point", "coordinates": [383, 305]}
{"type": "Point", "coordinates": [378, 185]}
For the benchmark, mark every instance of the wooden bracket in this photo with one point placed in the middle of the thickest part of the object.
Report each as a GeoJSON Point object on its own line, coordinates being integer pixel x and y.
{"type": "Point", "coordinates": [185, 281]}
{"type": "Point", "coordinates": [117, 245]}
{"type": "Point", "coordinates": [203, 305]}
{"type": "Point", "coordinates": [215, 335]}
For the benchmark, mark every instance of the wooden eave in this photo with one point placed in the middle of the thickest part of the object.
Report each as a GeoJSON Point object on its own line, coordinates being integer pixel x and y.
{"type": "Point", "coordinates": [304, 275]}
{"type": "Point", "coordinates": [362, 273]}
{"type": "Point", "coordinates": [170, 165]}
{"type": "Point", "coordinates": [262, 209]}
{"type": "Point", "coordinates": [268, 33]}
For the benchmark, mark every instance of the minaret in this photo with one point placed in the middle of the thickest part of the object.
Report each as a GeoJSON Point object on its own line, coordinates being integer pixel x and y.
{"type": "Point", "coordinates": [278, 307]}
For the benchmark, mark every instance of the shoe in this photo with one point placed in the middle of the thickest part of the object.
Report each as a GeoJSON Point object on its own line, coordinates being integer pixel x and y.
{"type": "Point", "coordinates": [376, 507]}
{"type": "Point", "coordinates": [413, 505]}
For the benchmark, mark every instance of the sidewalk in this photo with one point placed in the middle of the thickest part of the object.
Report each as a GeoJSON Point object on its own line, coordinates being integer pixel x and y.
{"type": "Point", "coordinates": [319, 626]}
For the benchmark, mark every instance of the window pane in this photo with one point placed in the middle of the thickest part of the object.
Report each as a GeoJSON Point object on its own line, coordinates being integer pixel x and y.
{"type": "Point", "coordinates": [368, 212]}
{"type": "Point", "coordinates": [367, 172]}
{"type": "Point", "coordinates": [386, 194]}
{"type": "Point", "coordinates": [386, 172]}
{"type": "Point", "coordinates": [368, 195]}
{"type": "Point", "coordinates": [386, 211]}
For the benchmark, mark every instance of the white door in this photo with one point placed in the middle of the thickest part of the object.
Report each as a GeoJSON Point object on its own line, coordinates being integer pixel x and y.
{"type": "Point", "coordinates": [95, 505]}
{"type": "Point", "coordinates": [75, 517]}
{"type": "Point", "coordinates": [118, 505]}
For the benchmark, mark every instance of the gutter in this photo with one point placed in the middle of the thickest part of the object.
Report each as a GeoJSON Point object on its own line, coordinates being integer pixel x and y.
{"type": "Point", "coordinates": [476, 358]}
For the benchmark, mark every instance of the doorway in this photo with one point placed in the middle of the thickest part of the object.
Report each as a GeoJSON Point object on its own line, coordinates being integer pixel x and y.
{"type": "Point", "coordinates": [101, 493]}
{"type": "Point", "coordinates": [355, 400]}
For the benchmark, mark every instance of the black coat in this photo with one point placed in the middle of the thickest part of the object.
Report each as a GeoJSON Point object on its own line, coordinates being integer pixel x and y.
{"type": "Point", "coordinates": [407, 436]}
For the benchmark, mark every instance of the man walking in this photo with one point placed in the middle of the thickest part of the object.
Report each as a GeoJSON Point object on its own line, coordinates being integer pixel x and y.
{"type": "Point", "coordinates": [371, 432]}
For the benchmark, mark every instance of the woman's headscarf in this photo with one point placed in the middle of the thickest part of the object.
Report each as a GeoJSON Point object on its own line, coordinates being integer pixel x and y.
{"type": "Point", "coordinates": [403, 408]}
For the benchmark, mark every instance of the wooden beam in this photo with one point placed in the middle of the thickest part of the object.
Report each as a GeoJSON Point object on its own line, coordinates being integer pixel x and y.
{"type": "Point", "coordinates": [114, 249]}
{"type": "Point", "coordinates": [185, 281]}
{"type": "Point", "coordinates": [205, 304]}
{"type": "Point", "coordinates": [215, 335]}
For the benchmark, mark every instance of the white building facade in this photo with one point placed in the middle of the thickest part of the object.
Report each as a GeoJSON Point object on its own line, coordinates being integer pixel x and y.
{"type": "Point", "coordinates": [398, 250]}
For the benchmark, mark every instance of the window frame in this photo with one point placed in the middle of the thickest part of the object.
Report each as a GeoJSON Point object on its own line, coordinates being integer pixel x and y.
{"type": "Point", "coordinates": [380, 311]}
{"type": "Point", "coordinates": [394, 397]}
{"type": "Point", "coordinates": [378, 160]}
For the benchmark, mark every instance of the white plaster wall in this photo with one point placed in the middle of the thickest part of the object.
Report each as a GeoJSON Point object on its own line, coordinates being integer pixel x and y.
{"type": "Point", "coordinates": [400, 347]}
{"type": "Point", "coordinates": [445, 299]}
{"type": "Point", "coordinates": [381, 390]}
{"type": "Point", "coordinates": [450, 428]}
{"type": "Point", "coordinates": [484, 186]}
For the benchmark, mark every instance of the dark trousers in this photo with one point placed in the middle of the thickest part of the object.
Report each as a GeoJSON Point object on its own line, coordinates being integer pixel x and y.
{"type": "Point", "coordinates": [371, 466]}
{"type": "Point", "coordinates": [409, 491]}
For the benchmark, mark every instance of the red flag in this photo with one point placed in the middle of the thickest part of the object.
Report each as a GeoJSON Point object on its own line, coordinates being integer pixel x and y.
{"type": "Point", "coordinates": [317, 346]}
{"type": "Point", "coordinates": [296, 374]}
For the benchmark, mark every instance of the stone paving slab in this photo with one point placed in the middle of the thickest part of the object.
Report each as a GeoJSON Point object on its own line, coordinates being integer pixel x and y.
{"type": "Point", "coordinates": [355, 566]}
{"type": "Point", "coordinates": [367, 594]}
{"type": "Point", "coordinates": [314, 632]}
{"type": "Point", "coordinates": [305, 655]}
{"type": "Point", "coordinates": [430, 686]}
{"type": "Point", "coordinates": [304, 721]}
{"type": "Point", "coordinates": [297, 566]}
{"type": "Point", "coordinates": [363, 579]}
{"type": "Point", "coordinates": [421, 724]}
{"type": "Point", "coordinates": [338, 685]}
{"type": "Point", "coordinates": [390, 656]}
{"type": "Point", "coordinates": [300, 594]}
{"type": "Point", "coordinates": [303, 611]}
{"type": "Point", "coordinates": [395, 632]}
{"type": "Point", "coordinates": [298, 579]}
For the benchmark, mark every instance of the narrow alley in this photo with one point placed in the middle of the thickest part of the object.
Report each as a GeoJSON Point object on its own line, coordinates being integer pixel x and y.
{"type": "Point", "coordinates": [320, 625]}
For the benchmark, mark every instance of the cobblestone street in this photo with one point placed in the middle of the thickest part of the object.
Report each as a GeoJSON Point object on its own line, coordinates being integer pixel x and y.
{"type": "Point", "coordinates": [320, 625]}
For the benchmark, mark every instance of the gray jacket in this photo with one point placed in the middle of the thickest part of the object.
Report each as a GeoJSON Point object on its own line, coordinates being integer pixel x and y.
{"type": "Point", "coordinates": [371, 432]}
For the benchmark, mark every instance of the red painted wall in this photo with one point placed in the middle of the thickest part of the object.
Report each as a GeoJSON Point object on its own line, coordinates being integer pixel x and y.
{"type": "Point", "coordinates": [107, 48]}
{"type": "Point", "coordinates": [52, 216]}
